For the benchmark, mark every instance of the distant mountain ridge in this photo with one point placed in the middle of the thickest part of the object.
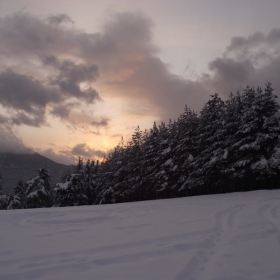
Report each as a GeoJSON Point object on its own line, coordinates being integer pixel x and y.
{"type": "Point", "coordinates": [24, 166]}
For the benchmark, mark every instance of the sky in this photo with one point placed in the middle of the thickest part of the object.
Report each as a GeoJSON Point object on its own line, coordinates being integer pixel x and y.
{"type": "Point", "coordinates": [76, 76]}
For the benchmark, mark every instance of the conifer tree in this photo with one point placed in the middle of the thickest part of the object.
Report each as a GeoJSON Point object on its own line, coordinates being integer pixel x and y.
{"type": "Point", "coordinates": [210, 136]}
{"type": "Point", "coordinates": [38, 190]}
{"type": "Point", "coordinates": [164, 163]}
{"type": "Point", "coordinates": [89, 181]}
{"type": "Point", "coordinates": [185, 151]}
{"type": "Point", "coordinates": [72, 191]}
{"type": "Point", "coordinates": [134, 166]}
{"type": "Point", "coordinates": [18, 200]}
{"type": "Point", "coordinates": [150, 153]}
{"type": "Point", "coordinates": [1, 178]}
{"type": "Point", "coordinates": [105, 189]}
{"type": "Point", "coordinates": [256, 137]}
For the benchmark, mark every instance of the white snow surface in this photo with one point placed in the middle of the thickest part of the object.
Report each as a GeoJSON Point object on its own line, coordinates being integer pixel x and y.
{"type": "Point", "coordinates": [223, 237]}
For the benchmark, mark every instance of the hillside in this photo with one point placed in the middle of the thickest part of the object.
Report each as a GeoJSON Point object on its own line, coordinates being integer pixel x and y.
{"type": "Point", "coordinates": [226, 236]}
{"type": "Point", "coordinates": [25, 166]}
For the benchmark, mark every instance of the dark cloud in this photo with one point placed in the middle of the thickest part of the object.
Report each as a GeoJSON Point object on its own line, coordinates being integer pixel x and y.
{"type": "Point", "coordinates": [230, 74]}
{"type": "Point", "coordinates": [252, 60]}
{"type": "Point", "coordinates": [23, 92]}
{"type": "Point", "coordinates": [63, 110]}
{"type": "Point", "coordinates": [36, 120]}
{"type": "Point", "coordinates": [23, 34]}
{"type": "Point", "coordinates": [10, 143]}
{"type": "Point", "coordinates": [52, 77]}
{"type": "Point", "coordinates": [70, 77]}
{"type": "Point", "coordinates": [49, 60]}
{"type": "Point", "coordinates": [243, 44]}
{"type": "Point", "coordinates": [26, 97]}
{"type": "Point", "coordinates": [84, 150]}
{"type": "Point", "coordinates": [60, 18]}
{"type": "Point", "coordinates": [99, 153]}
{"type": "Point", "coordinates": [3, 119]}
{"type": "Point", "coordinates": [253, 45]}
{"type": "Point", "coordinates": [103, 122]}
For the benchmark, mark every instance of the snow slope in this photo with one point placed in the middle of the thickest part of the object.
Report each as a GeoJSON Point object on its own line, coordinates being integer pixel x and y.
{"type": "Point", "coordinates": [226, 236]}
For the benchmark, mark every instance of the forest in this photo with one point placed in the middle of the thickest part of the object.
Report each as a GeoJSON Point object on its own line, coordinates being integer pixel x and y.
{"type": "Point", "coordinates": [231, 145]}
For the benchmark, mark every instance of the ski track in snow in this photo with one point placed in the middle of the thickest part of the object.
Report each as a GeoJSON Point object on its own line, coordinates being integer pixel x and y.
{"type": "Point", "coordinates": [219, 237]}
{"type": "Point", "coordinates": [201, 260]}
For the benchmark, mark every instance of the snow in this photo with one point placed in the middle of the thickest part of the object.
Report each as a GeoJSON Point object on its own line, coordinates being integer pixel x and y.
{"type": "Point", "coordinates": [242, 162]}
{"type": "Point", "coordinates": [32, 194]}
{"type": "Point", "coordinates": [261, 164]}
{"type": "Point", "coordinates": [63, 186]}
{"type": "Point", "coordinates": [225, 155]}
{"type": "Point", "coordinates": [31, 181]}
{"type": "Point", "coordinates": [168, 162]}
{"type": "Point", "coordinates": [166, 151]}
{"type": "Point", "coordinates": [221, 237]}
{"type": "Point", "coordinates": [190, 158]}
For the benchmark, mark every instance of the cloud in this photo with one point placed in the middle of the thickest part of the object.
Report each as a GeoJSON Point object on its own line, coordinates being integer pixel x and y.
{"type": "Point", "coordinates": [22, 118]}
{"type": "Point", "coordinates": [42, 81]}
{"type": "Point", "coordinates": [3, 119]}
{"type": "Point", "coordinates": [85, 151]}
{"type": "Point", "coordinates": [26, 97]}
{"type": "Point", "coordinates": [48, 67]}
{"type": "Point", "coordinates": [253, 60]}
{"type": "Point", "coordinates": [121, 56]}
{"type": "Point", "coordinates": [70, 155]}
{"type": "Point", "coordinates": [25, 36]}
{"type": "Point", "coordinates": [230, 74]}
{"type": "Point", "coordinates": [159, 92]}
{"type": "Point", "coordinates": [60, 156]}
{"type": "Point", "coordinates": [72, 75]}
{"type": "Point", "coordinates": [23, 92]}
{"type": "Point", "coordinates": [103, 122]}
{"type": "Point", "coordinates": [134, 70]}
{"type": "Point", "coordinates": [10, 143]}
{"type": "Point", "coordinates": [63, 110]}
{"type": "Point", "coordinates": [59, 18]}
{"type": "Point", "coordinates": [255, 46]}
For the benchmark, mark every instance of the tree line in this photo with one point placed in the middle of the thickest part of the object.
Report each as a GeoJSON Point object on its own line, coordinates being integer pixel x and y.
{"type": "Point", "coordinates": [231, 145]}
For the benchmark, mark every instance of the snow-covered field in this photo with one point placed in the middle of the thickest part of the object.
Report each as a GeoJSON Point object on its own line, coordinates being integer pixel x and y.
{"type": "Point", "coordinates": [227, 236]}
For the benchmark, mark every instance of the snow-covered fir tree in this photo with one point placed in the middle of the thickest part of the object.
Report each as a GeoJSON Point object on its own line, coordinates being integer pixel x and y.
{"type": "Point", "coordinates": [38, 190]}
{"type": "Point", "coordinates": [89, 179]}
{"type": "Point", "coordinates": [72, 192]}
{"type": "Point", "coordinates": [1, 178]}
{"type": "Point", "coordinates": [18, 199]}
{"type": "Point", "coordinates": [255, 138]}
{"type": "Point", "coordinates": [185, 151]}
{"type": "Point", "coordinates": [210, 151]}
{"type": "Point", "coordinates": [151, 149]}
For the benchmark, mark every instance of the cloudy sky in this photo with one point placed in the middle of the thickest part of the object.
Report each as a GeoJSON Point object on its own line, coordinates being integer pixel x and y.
{"type": "Point", "coordinates": [76, 76]}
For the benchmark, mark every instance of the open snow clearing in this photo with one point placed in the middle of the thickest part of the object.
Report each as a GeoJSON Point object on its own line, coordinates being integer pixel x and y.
{"type": "Point", "coordinates": [221, 237]}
